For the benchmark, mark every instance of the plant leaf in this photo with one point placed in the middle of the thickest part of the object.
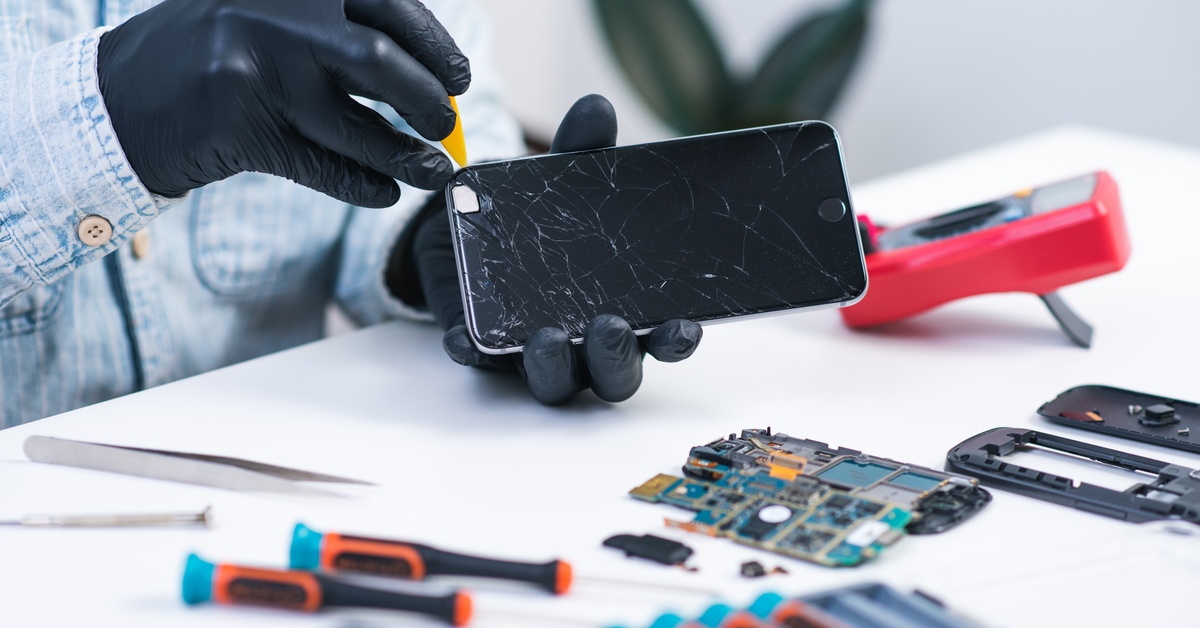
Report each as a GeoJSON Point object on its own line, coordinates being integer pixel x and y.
{"type": "Point", "coordinates": [802, 76]}
{"type": "Point", "coordinates": [672, 58]}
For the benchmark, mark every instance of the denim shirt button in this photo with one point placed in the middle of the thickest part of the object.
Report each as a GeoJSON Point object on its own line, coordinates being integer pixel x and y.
{"type": "Point", "coordinates": [139, 244]}
{"type": "Point", "coordinates": [95, 230]}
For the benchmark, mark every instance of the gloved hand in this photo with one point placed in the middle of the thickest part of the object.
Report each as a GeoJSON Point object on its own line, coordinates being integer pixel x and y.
{"type": "Point", "coordinates": [610, 359]}
{"type": "Point", "coordinates": [200, 90]}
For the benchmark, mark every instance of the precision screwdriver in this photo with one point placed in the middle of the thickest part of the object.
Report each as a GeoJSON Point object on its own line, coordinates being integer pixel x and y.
{"type": "Point", "coordinates": [305, 591]}
{"type": "Point", "coordinates": [114, 521]}
{"type": "Point", "coordinates": [412, 561]}
{"type": "Point", "coordinates": [717, 616]}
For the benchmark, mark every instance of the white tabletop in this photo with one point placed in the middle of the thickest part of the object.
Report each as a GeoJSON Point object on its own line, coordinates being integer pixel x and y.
{"type": "Point", "coordinates": [465, 460]}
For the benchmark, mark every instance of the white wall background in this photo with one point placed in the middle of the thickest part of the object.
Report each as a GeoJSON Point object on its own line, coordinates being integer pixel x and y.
{"type": "Point", "coordinates": [938, 76]}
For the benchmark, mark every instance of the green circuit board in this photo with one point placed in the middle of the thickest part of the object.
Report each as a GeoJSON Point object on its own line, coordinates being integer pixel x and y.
{"type": "Point", "coordinates": [800, 517]}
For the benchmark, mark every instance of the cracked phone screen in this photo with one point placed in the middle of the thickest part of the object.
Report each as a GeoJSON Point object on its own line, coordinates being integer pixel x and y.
{"type": "Point", "coordinates": [703, 228]}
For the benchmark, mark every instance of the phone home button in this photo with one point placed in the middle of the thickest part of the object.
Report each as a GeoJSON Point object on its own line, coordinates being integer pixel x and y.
{"type": "Point", "coordinates": [832, 209]}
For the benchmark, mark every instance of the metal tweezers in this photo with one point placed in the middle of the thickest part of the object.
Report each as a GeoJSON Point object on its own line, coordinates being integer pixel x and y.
{"type": "Point", "coordinates": [175, 466]}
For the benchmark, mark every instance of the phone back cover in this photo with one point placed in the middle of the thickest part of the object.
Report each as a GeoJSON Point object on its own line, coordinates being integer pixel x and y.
{"type": "Point", "coordinates": [701, 228]}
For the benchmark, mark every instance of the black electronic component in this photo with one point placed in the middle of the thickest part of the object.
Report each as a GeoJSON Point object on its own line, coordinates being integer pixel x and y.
{"type": "Point", "coordinates": [651, 547]}
{"type": "Point", "coordinates": [943, 510]}
{"type": "Point", "coordinates": [752, 569]}
{"type": "Point", "coordinates": [1158, 415]}
{"type": "Point", "coordinates": [757, 529]}
{"type": "Point", "coordinates": [1174, 493]}
{"type": "Point", "coordinates": [1127, 414]}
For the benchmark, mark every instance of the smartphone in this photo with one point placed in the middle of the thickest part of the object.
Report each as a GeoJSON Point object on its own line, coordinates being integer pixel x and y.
{"type": "Point", "coordinates": [706, 228]}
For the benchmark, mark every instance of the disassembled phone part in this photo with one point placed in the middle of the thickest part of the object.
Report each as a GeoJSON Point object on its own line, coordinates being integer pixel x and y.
{"type": "Point", "coordinates": [1127, 414]}
{"type": "Point", "coordinates": [801, 498]}
{"type": "Point", "coordinates": [1174, 494]}
{"type": "Point", "coordinates": [651, 547]}
{"type": "Point", "coordinates": [940, 500]}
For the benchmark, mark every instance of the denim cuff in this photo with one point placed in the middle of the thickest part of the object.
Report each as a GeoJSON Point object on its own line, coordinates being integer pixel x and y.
{"type": "Point", "coordinates": [60, 162]}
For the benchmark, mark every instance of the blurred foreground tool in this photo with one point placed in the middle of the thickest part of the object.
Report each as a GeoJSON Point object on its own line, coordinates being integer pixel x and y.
{"type": "Point", "coordinates": [175, 466]}
{"type": "Point", "coordinates": [113, 521]}
{"type": "Point", "coordinates": [305, 591]}
{"type": "Point", "coordinates": [343, 553]}
{"type": "Point", "coordinates": [411, 561]}
{"type": "Point", "coordinates": [869, 605]}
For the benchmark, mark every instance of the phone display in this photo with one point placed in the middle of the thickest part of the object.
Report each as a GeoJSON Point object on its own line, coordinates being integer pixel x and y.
{"type": "Point", "coordinates": [703, 228]}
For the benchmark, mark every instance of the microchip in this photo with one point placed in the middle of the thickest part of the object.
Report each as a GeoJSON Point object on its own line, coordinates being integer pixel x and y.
{"type": "Point", "coordinates": [651, 547]}
{"type": "Point", "coordinates": [757, 529]}
{"type": "Point", "coordinates": [837, 502]}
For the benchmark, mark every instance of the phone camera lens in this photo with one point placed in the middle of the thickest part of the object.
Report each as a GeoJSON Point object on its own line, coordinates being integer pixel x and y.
{"type": "Point", "coordinates": [832, 209]}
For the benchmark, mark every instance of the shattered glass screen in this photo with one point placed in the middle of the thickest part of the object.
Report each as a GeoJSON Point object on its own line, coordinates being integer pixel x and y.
{"type": "Point", "coordinates": [700, 228]}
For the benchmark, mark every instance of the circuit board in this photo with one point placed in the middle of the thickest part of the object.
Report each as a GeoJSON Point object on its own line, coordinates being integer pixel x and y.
{"type": "Point", "coordinates": [801, 517]}
{"type": "Point", "coordinates": [939, 500]}
{"type": "Point", "coordinates": [802, 498]}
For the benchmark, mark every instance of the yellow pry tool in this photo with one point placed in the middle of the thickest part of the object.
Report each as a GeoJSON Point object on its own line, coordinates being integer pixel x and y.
{"type": "Point", "coordinates": [455, 143]}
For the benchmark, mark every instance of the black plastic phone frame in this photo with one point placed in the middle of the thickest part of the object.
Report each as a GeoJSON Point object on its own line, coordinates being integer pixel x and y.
{"type": "Point", "coordinates": [1124, 415]}
{"type": "Point", "coordinates": [1174, 494]}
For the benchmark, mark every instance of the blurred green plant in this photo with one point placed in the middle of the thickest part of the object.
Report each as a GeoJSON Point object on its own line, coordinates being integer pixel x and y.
{"type": "Point", "coordinates": [672, 58]}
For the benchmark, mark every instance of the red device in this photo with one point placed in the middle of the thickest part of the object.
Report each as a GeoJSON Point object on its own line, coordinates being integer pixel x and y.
{"type": "Point", "coordinates": [1035, 241]}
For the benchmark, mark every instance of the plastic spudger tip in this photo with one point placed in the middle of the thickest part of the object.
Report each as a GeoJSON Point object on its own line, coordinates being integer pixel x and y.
{"type": "Point", "coordinates": [455, 143]}
{"type": "Point", "coordinates": [306, 548]}
{"type": "Point", "coordinates": [198, 580]}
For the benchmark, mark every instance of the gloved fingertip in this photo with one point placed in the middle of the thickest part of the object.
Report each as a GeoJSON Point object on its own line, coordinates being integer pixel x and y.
{"type": "Point", "coordinates": [457, 344]}
{"type": "Point", "coordinates": [424, 169]}
{"type": "Point", "coordinates": [460, 66]}
{"type": "Point", "coordinates": [381, 195]}
{"type": "Point", "coordinates": [674, 340]}
{"type": "Point", "coordinates": [613, 357]}
{"type": "Point", "coordinates": [590, 123]}
{"type": "Point", "coordinates": [442, 120]}
{"type": "Point", "coordinates": [551, 372]}
{"type": "Point", "coordinates": [358, 186]}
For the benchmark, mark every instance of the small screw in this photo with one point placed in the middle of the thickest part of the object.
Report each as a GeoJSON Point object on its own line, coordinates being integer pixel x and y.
{"type": "Point", "coordinates": [1134, 409]}
{"type": "Point", "coordinates": [1185, 431]}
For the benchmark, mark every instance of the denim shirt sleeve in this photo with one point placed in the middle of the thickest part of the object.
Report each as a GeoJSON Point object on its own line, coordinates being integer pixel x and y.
{"type": "Point", "coordinates": [59, 163]}
{"type": "Point", "coordinates": [491, 133]}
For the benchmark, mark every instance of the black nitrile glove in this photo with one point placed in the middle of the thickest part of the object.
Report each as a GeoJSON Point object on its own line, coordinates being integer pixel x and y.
{"type": "Point", "coordinates": [200, 90]}
{"type": "Point", "coordinates": [610, 359]}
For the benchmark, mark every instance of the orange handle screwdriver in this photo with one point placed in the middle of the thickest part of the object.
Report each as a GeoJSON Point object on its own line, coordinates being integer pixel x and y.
{"type": "Point", "coordinates": [305, 591]}
{"type": "Point", "coordinates": [398, 559]}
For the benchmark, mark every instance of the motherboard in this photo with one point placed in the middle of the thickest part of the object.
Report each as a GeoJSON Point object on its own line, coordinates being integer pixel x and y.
{"type": "Point", "coordinates": [804, 499]}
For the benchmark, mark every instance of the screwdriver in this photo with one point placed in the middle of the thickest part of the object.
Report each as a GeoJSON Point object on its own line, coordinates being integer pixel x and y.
{"type": "Point", "coordinates": [715, 616]}
{"type": "Point", "coordinates": [305, 591]}
{"type": "Point", "coordinates": [106, 521]}
{"type": "Point", "coordinates": [412, 561]}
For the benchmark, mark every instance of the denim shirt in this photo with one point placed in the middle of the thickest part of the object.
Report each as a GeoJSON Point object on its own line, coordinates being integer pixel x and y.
{"type": "Point", "coordinates": [234, 270]}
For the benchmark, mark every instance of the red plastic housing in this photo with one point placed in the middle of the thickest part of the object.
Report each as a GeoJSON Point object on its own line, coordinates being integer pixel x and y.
{"type": "Point", "coordinates": [1036, 254]}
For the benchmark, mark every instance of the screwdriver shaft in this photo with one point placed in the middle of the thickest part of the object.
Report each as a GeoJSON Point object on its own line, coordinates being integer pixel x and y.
{"type": "Point", "coordinates": [98, 521]}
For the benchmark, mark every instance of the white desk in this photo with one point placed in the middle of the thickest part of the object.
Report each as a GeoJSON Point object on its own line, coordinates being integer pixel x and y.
{"type": "Point", "coordinates": [465, 460]}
